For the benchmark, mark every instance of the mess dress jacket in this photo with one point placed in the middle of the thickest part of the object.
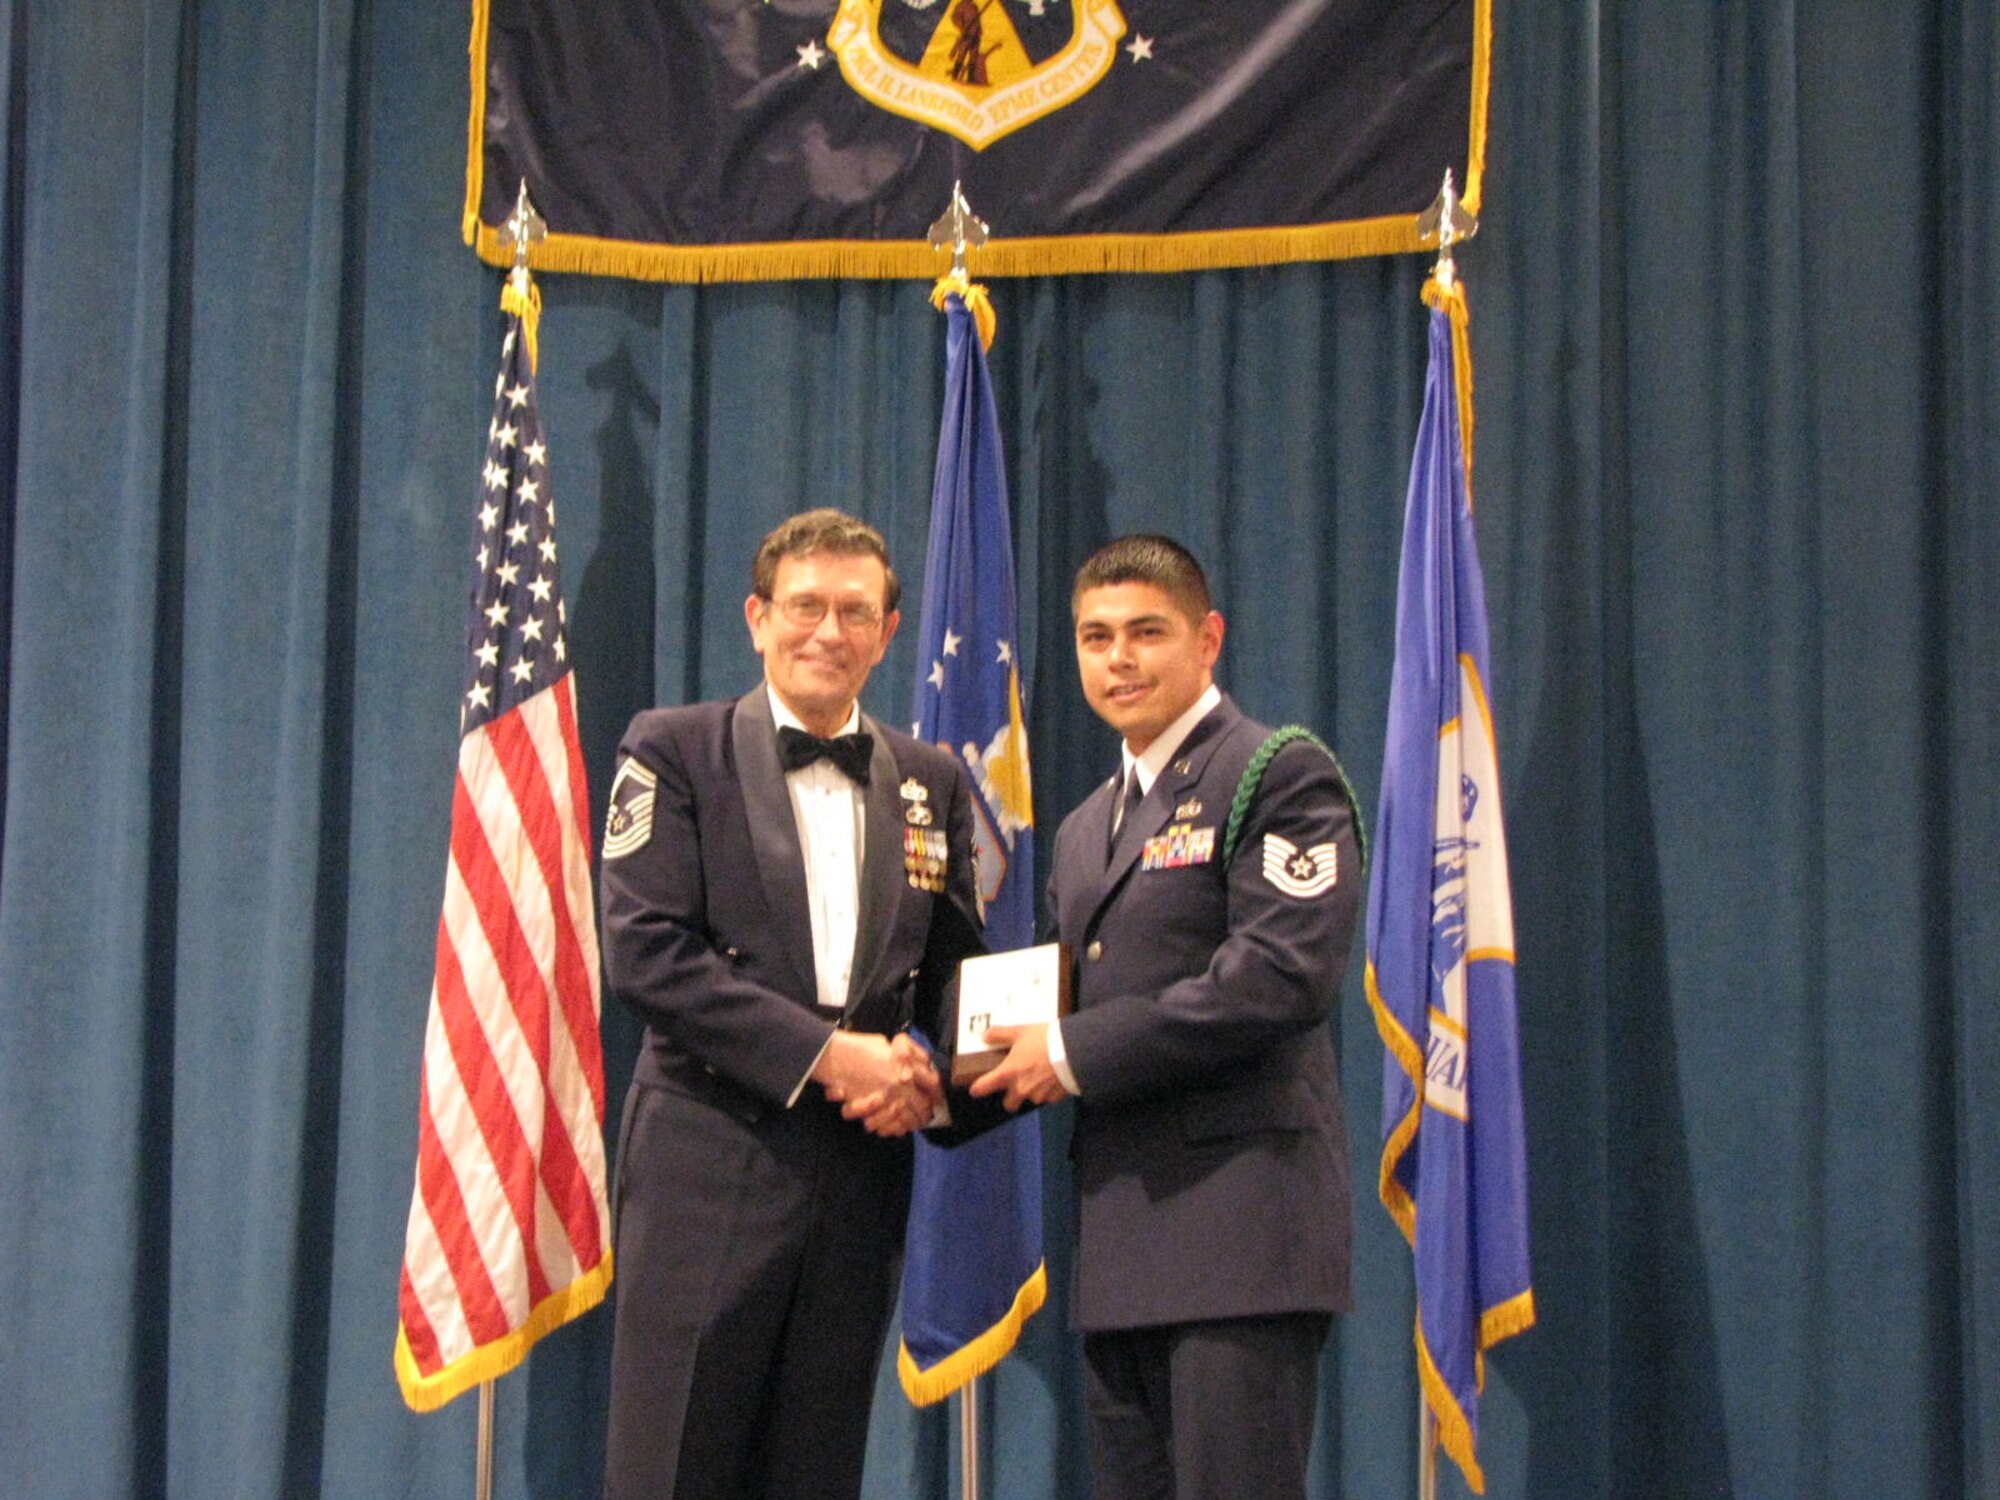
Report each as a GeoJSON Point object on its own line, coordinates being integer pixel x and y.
{"type": "Point", "coordinates": [708, 936]}
{"type": "Point", "coordinates": [1209, 1147]}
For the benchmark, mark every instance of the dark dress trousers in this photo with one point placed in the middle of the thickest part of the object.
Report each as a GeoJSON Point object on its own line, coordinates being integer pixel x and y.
{"type": "Point", "coordinates": [758, 1241]}
{"type": "Point", "coordinates": [1210, 1152]}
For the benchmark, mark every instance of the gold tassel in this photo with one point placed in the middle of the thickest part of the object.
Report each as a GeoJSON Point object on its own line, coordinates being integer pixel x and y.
{"type": "Point", "coordinates": [973, 295]}
{"type": "Point", "coordinates": [521, 297]}
{"type": "Point", "coordinates": [1451, 300]}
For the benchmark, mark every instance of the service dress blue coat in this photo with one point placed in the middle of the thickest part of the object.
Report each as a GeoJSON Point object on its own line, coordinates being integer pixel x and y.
{"type": "Point", "coordinates": [1209, 1147]}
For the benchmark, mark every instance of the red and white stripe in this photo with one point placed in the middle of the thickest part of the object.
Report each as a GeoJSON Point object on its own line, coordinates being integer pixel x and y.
{"type": "Point", "coordinates": [510, 1231]}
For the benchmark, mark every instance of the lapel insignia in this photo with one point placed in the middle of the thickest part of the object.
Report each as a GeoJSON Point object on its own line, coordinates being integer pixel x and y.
{"type": "Point", "coordinates": [1183, 766]}
{"type": "Point", "coordinates": [628, 827]}
{"type": "Point", "coordinates": [1180, 846]}
{"type": "Point", "coordinates": [1188, 809]}
{"type": "Point", "coordinates": [914, 790]}
{"type": "Point", "coordinates": [925, 855]}
{"type": "Point", "coordinates": [1300, 872]}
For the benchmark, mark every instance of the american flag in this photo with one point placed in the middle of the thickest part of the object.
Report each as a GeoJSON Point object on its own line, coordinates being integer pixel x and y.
{"type": "Point", "coordinates": [509, 1232]}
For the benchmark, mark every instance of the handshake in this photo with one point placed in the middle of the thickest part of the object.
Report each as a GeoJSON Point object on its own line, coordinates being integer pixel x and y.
{"type": "Point", "coordinates": [887, 1083]}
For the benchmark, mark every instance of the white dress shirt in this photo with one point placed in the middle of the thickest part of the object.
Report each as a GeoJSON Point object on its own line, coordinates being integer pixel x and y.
{"type": "Point", "coordinates": [831, 817]}
{"type": "Point", "coordinates": [1149, 766]}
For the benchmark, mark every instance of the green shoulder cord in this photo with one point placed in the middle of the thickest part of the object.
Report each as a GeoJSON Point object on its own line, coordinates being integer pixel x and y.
{"type": "Point", "coordinates": [1253, 776]}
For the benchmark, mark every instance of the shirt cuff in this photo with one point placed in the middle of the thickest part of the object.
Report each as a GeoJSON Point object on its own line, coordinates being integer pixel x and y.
{"type": "Point", "coordinates": [1059, 1058]}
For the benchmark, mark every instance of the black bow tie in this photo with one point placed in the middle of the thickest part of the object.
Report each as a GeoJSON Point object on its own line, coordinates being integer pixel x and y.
{"type": "Point", "coordinates": [848, 752]}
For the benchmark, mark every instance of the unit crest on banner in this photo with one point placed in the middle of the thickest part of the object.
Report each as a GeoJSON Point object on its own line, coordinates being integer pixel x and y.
{"type": "Point", "coordinates": [975, 69]}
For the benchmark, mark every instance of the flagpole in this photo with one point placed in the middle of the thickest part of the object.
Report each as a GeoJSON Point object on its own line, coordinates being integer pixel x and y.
{"type": "Point", "coordinates": [1447, 222]}
{"type": "Point", "coordinates": [1427, 1452]}
{"type": "Point", "coordinates": [968, 1438]}
{"type": "Point", "coordinates": [482, 1483]}
{"type": "Point", "coordinates": [960, 229]}
{"type": "Point", "coordinates": [523, 227]}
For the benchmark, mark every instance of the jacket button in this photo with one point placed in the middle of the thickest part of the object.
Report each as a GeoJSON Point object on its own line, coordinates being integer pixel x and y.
{"type": "Point", "coordinates": [1095, 951]}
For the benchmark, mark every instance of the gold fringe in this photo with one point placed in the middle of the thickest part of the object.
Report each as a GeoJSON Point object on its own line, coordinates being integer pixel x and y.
{"type": "Point", "coordinates": [475, 133]}
{"type": "Point", "coordinates": [1515, 1315]}
{"type": "Point", "coordinates": [1482, 64]}
{"type": "Point", "coordinates": [521, 297]}
{"type": "Point", "coordinates": [1410, 1057]}
{"type": "Point", "coordinates": [884, 259]}
{"type": "Point", "coordinates": [1454, 1431]}
{"type": "Point", "coordinates": [490, 1361]}
{"type": "Point", "coordinates": [927, 1387]}
{"type": "Point", "coordinates": [973, 295]}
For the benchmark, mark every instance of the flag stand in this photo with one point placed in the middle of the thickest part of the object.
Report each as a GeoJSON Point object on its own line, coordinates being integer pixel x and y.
{"type": "Point", "coordinates": [482, 1483]}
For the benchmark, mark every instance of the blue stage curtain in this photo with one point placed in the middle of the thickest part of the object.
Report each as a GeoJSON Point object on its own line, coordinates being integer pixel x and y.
{"type": "Point", "coordinates": [1737, 354]}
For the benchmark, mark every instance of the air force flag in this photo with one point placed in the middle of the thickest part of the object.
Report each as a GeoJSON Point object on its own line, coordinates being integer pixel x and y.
{"type": "Point", "coordinates": [1441, 933]}
{"type": "Point", "coordinates": [973, 1264]}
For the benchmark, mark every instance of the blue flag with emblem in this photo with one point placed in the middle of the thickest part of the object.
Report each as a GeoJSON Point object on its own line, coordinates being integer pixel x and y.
{"type": "Point", "coordinates": [1441, 932]}
{"type": "Point", "coordinates": [973, 1259]}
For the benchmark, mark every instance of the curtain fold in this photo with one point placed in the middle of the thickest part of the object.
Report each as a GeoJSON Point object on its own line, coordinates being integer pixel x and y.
{"type": "Point", "coordinates": [1736, 340]}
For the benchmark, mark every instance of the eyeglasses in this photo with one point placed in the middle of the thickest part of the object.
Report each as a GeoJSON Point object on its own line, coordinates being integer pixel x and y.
{"type": "Point", "coordinates": [807, 610]}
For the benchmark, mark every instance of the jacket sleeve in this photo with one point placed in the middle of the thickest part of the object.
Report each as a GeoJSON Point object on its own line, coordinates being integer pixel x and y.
{"type": "Point", "coordinates": [1292, 898]}
{"type": "Point", "coordinates": [665, 958]}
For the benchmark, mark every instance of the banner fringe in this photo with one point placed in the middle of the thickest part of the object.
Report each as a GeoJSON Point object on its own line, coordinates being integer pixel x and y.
{"type": "Point", "coordinates": [1482, 90]}
{"type": "Point", "coordinates": [475, 130]}
{"type": "Point", "coordinates": [890, 259]}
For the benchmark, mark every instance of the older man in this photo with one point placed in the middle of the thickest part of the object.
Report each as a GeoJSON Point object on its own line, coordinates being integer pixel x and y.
{"type": "Point", "coordinates": [788, 886]}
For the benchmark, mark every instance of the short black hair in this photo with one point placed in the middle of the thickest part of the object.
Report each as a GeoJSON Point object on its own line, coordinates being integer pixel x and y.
{"type": "Point", "coordinates": [1158, 560]}
{"type": "Point", "coordinates": [822, 530]}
